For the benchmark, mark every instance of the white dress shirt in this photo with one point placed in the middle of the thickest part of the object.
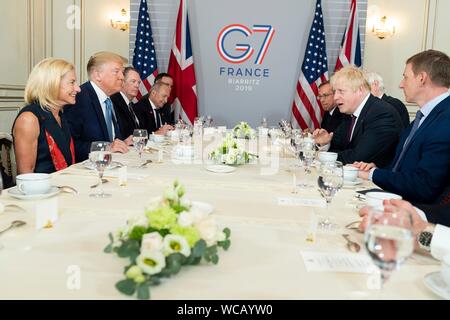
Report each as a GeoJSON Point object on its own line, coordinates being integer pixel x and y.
{"type": "Point", "coordinates": [101, 98]}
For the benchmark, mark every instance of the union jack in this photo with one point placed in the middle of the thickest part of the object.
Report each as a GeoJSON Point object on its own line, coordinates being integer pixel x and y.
{"type": "Point", "coordinates": [181, 68]}
{"type": "Point", "coordinates": [350, 51]}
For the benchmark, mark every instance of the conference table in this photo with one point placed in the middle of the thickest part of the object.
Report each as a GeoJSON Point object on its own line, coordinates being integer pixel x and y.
{"type": "Point", "coordinates": [264, 261]}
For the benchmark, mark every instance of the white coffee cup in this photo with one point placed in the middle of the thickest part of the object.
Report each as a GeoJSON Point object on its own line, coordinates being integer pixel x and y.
{"type": "Point", "coordinates": [350, 173]}
{"type": "Point", "coordinates": [375, 199]}
{"type": "Point", "coordinates": [445, 271]}
{"type": "Point", "coordinates": [33, 183]}
{"type": "Point", "coordinates": [325, 156]}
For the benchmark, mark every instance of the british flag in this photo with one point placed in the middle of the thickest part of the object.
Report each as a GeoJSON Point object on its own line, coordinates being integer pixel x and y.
{"type": "Point", "coordinates": [306, 109]}
{"type": "Point", "coordinates": [181, 68]}
{"type": "Point", "coordinates": [144, 58]}
{"type": "Point", "coordinates": [350, 51]}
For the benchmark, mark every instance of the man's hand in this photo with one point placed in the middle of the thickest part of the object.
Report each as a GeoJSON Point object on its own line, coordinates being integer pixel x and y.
{"type": "Point", "coordinates": [322, 137]}
{"type": "Point", "coordinates": [163, 130]}
{"type": "Point", "coordinates": [364, 169]}
{"type": "Point", "coordinates": [129, 141]}
{"type": "Point", "coordinates": [119, 146]}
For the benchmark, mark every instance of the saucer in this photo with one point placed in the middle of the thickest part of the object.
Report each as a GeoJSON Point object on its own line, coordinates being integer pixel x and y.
{"type": "Point", "coordinates": [358, 181]}
{"type": "Point", "coordinates": [220, 168]}
{"type": "Point", "coordinates": [15, 193]}
{"type": "Point", "coordinates": [435, 283]}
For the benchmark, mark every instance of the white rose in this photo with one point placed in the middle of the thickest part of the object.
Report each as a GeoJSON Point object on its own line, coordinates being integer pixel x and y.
{"type": "Point", "coordinates": [230, 158]}
{"type": "Point", "coordinates": [208, 230]}
{"type": "Point", "coordinates": [185, 219]}
{"type": "Point", "coordinates": [151, 242]}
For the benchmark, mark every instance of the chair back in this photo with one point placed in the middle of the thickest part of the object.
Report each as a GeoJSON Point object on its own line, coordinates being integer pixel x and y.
{"type": "Point", "coordinates": [7, 160]}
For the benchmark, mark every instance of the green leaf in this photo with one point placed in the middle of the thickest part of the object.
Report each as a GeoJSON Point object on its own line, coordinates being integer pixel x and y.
{"type": "Point", "coordinates": [108, 248]}
{"type": "Point", "coordinates": [193, 260]}
{"type": "Point", "coordinates": [227, 232]}
{"type": "Point", "coordinates": [224, 244]}
{"type": "Point", "coordinates": [199, 248]}
{"type": "Point", "coordinates": [143, 291]}
{"type": "Point", "coordinates": [129, 248]}
{"type": "Point", "coordinates": [127, 286]}
{"type": "Point", "coordinates": [138, 232]}
{"type": "Point", "coordinates": [154, 280]}
{"type": "Point", "coordinates": [215, 258]}
{"type": "Point", "coordinates": [111, 238]}
{"type": "Point", "coordinates": [174, 262]}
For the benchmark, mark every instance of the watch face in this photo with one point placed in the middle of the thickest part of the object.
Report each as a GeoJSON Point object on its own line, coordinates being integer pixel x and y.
{"type": "Point", "coordinates": [425, 238]}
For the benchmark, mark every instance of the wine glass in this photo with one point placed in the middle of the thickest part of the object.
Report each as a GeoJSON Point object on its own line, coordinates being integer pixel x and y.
{"type": "Point", "coordinates": [208, 121]}
{"type": "Point", "coordinates": [330, 181]}
{"type": "Point", "coordinates": [307, 155]}
{"type": "Point", "coordinates": [264, 123]}
{"type": "Point", "coordinates": [389, 238]}
{"type": "Point", "coordinates": [101, 157]}
{"type": "Point", "coordinates": [140, 138]}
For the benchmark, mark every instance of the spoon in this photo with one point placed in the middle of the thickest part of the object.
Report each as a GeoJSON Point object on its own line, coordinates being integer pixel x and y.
{"type": "Point", "coordinates": [14, 224]}
{"type": "Point", "coordinates": [98, 183]}
{"type": "Point", "coordinates": [145, 163]}
{"type": "Point", "coordinates": [68, 189]}
{"type": "Point", "coordinates": [351, 245]}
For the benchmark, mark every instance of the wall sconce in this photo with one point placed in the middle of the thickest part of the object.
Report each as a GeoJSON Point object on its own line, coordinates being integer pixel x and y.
{"type": "Point", "coordinates": [383, 27]}
{"type": "Point", "coordinates": [122, 21]}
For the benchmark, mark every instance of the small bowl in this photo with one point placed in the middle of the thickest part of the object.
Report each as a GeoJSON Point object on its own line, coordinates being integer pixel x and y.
{"type": "Point", "coordinates": [325, 156]}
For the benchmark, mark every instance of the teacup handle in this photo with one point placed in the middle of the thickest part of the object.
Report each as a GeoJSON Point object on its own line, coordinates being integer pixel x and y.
{"type": "Point", "coordinates": [19, 187]}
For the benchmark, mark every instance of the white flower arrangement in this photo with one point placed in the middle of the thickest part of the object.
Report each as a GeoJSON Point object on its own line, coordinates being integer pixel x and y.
{"type": "Point", "coordinates": [171, 234]}
{"type": "Point", "coordinates": [243, 131]}
{"type": "Point", "coordinates": [229, 152]}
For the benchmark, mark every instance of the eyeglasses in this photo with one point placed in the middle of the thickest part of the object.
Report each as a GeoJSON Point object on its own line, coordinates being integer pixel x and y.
{"type": "Point", "coordinates": [320, 96]}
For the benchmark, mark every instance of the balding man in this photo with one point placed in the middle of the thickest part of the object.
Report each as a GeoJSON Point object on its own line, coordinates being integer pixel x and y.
{"type": "Point", "coordinates": [92, 117]}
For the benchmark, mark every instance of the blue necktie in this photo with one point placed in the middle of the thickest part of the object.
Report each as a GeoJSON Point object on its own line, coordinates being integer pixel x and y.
{"type": "Point", "coordinates": [414, 128]}
{"type": "Point", "coordinates": [109, 118]}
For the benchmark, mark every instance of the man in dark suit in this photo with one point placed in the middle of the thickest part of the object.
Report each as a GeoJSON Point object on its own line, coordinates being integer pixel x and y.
{"type": "Point", "coordinates": [332, 117]}
{"type": "Point", "coordinates": [166, 112]}
{"type": "Point", "coordinates": [123, 102]}
{"type": "Point", "coordinates": [92, 117]}
{"type": "Point", "coordinates": [420, 171]}
{"type": "Point", "coordinates": [147, 109]}
{"type": "Point", "coordinates": [373, 129]}
{"type": "Point", "coordinates": [377, 89]}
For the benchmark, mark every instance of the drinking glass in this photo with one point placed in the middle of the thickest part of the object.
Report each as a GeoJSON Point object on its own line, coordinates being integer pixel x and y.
{"type": "Point", "coordinates": [208, 121]}
{"type": "Point", "coordinates": [330, 181]}
{"type": "Point", "coordinates": [307, 155]}
{"type": "Point", "coordinates": [389, 239]}
{"type": "Point", "coordinates": [101, 157]}
{"type": "Point", "coordinates": [264, 123]}
{"type": "Point", "coordinates": [140, 138]}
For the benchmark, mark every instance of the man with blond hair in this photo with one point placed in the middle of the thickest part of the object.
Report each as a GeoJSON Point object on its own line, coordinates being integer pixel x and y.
{"type": "Point", "coordinates": [92, 117]}
{"type": "Point", "coordinates": [373, 128]}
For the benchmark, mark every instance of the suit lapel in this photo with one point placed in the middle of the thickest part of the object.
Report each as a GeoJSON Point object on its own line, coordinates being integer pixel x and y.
{"type": "Point", "coordinates": [362, 115]}
{"type": "Point", "coordinates": [95, 104]}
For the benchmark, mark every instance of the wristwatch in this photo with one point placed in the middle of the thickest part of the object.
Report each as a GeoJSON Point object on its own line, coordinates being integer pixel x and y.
{"type": "Point", "coordinates": [424, 238]}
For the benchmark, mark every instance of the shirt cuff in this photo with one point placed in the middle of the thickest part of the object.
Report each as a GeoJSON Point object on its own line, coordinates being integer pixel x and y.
{"type": "Point", "coordinates": [325, 147]}
{"type": "Point", "coordinates": [371, 173]}
{"type": "Point", "coordinates": [440, 242]}
{"type": "Point", "coordinates": [421, 214]}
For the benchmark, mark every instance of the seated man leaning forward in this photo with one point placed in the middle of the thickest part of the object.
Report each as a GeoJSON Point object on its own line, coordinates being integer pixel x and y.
{"type": "Point", "coordinates": [373, 128]}
{"type": "Point", "coordinates": [92, 117]}
{"type": "Point", "coordinates": [420, 171]}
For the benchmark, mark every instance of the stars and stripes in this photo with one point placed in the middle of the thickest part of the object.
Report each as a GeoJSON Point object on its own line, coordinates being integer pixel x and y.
{"type": "Point", "coordinates": [306, 109]}
{"type": "Point", "coordinates": [144, 58]}
{"type": "Point", "coordinates": [350, 51]}
{"type": "Point", "coordinates": [181, 68]}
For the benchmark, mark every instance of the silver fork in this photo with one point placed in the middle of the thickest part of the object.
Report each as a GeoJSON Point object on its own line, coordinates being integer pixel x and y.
{"type": "Point", "coordinates": [98, 183]}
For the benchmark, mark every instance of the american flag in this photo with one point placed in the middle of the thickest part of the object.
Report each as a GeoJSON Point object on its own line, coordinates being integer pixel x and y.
{"type": "Point", "coordinates": [350, 52]}
{"type": "Point", "coordinates": [144, 58]}
{"type": "Point", "coordinates": [181, 68]}
{"type": "Point", "coordinates": [306, 109]}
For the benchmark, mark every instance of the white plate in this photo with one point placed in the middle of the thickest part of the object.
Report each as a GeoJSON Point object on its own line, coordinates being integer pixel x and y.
{"type": "Point", "coordinates": [435, 283]}
{"type": "Point", "coordinates": [220, 168]}
{"type": "Point", "coordinates": [89, 165]}
{"type": "Point", "coordinates": [15, 193]}
{"type": "Point", "coordinates": [353, 183]}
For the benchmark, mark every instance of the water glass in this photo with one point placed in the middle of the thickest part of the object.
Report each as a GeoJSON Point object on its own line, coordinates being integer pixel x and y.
{"type": "Point", "coordinates": [330, 181]}
{"type": "Point", "coordinates": [140, 138]}
{"type": "Point", "coordinates": [101, 158]}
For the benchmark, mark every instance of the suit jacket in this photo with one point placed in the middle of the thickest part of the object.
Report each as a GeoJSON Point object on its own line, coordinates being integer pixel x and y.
{"type": "Point", "coordinates": [87, 122]}
{"type": "Point", "coordinates": [375, 136]}
{"type": "Point", "coordinates": [400, 107]}
{"type": "Point", "coordinates": [167, 116]}
{"type": "Point", "coordinates": [146, 116]}
{"type": "Point", "coordinates": [331, 122]}
{"type": "Point", "coordinates": [124, 116]}
{"type": "Point", "coordinates": [437, 214]}
{"type": "Point", "coordinates": [424, 171]}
